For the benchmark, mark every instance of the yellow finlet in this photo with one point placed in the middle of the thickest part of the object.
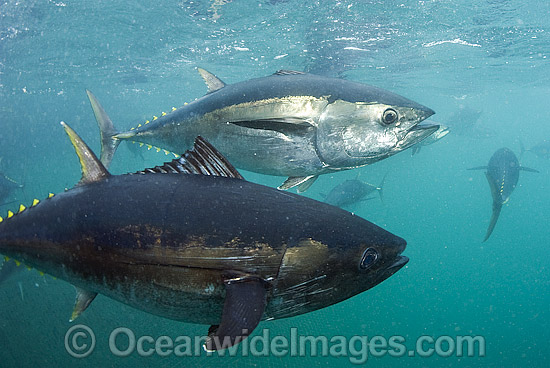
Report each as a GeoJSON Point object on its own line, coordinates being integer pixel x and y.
{"type": "Point", "coordinates": [1, 219]}
{"type": "Point", "coordinates": [173, 108]}
{"type": "Point", "coordinates": [149, 146]}
{"type": "Point", "coordinates": [35, 202]}
{"type": "Point", "coordinates": [158, 149]}
{"type": "Point", "coordinates": [41, 273]}
{"type": "Point", "coordinates": [140, 144]}
{"type": "Point", "coordinates": [155, 118]}
{"type": "Point", "coordinates": [139, 126]}
{"type": "Point", "coordinates": [17, 263]}
{"type": "Point", "coordinates": [22, 208]}
{"type": "Point", "coordinates": [163, 113]}
{"type": "Point", "coordinates": [147, 122]}
{"type": "Point", "coordinates": [50, 195]}
{"type": "Point", "coordinates": [175, 155]}
{"type": "Point", "coordinates": [6, 258]}
{"type": "Point", "coordinates": [10, 214]}
{"type": "Point", "coordinates": [132, 128]}
{"type": "Point", "coordinates": [166, 152]}
{"type": "Point", "coordinates": [29, 267]}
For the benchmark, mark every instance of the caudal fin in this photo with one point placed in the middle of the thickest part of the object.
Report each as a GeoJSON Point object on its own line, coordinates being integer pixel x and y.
{"type": "Point", "coordinates": [107, 131]}
{"type": "Point", "coordinates": [494, 218]}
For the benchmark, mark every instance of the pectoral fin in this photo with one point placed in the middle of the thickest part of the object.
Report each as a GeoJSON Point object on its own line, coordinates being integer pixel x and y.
{"type": "Point", "coordinates": [528, 169]}
{"type": "Point", "coordinates": [245, 301]}
{"type": "Point", "coordinates": [83, 300]}
{"type": "Point", "coordinates": [287, 126]}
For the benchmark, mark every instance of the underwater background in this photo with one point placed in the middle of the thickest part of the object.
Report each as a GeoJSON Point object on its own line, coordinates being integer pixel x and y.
{"type": "Point", "coordinates": [482, 65]}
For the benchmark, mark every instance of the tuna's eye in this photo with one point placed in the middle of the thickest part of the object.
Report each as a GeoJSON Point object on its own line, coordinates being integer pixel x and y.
{"type": "Point", "coordinates": [370, 256]}
{"type": "Point", "coordinates": [389, 116]}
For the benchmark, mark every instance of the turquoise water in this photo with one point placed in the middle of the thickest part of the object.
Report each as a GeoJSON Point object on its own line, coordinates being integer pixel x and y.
{"type": "Point", "coordinates": [140, 59]}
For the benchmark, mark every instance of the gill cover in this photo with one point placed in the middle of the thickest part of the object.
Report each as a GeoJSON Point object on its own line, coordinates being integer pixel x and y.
{"type": "Point", "coordinates": [352, 134]}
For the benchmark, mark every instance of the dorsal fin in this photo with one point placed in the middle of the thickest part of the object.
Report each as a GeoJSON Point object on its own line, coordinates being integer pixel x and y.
{"type": "Point", "coordinates": [92, 169]}
{"type": "Point", "coordinates": [288, 72]}
{"type": "Point", "coordinates": [212, 82]}
{"type": "Point", "coordinates": [203, 159]}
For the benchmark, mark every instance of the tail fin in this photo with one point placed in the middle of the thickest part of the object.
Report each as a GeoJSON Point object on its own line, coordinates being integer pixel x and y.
{"type": "Point", "coordinates": [494, 218]}
{"type": "Point", "coordinates": [107, 131]}
{"type": "Point", "coordinates": [380, 188]}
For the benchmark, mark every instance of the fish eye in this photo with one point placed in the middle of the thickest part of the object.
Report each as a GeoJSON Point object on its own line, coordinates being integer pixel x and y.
{"type": "Point", "coordinates": [389, 116]}
{"type": "Point", "coordinates": [369, 258]}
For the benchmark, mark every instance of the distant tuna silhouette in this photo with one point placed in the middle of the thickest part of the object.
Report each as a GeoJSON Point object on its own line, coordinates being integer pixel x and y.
{"type": "Point", "coordinates": [502, 174]}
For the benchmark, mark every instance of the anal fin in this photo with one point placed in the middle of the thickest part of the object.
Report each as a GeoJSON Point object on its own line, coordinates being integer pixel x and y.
{"type": "Point", "coordinates": [83, 300]}
{"type": "Point", "coordinates": [244, 305]}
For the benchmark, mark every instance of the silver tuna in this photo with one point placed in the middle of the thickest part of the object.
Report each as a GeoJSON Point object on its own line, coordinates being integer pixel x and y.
{"type": "Point", "coordinates": [288, 124]}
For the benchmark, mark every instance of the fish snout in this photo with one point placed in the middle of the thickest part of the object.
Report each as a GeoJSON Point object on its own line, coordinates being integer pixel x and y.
{"type": "Point", "coordinates": [424, 113]}
{"type": "Point", "coordinates": [397, 264]}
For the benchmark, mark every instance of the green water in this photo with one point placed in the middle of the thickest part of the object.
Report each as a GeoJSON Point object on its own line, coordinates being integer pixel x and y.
{"type": "Point", "coordinates": [140, 59]}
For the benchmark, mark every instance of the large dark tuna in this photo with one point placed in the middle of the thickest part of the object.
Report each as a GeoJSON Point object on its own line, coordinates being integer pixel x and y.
{"type": "Point", "coordinates": [192, 241]}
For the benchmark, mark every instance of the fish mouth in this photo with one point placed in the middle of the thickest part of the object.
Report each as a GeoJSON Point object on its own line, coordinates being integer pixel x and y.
{"type": "Point", "coordinates": [417, 134]}
{"type": "Point", "coordinates": [399, 262]}
{"type": "Point", "coordinates": [442, 131]}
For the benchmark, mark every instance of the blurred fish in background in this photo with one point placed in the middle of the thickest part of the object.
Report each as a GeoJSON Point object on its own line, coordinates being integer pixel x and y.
{"type": "Point", "coordinates": [353, 191]}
